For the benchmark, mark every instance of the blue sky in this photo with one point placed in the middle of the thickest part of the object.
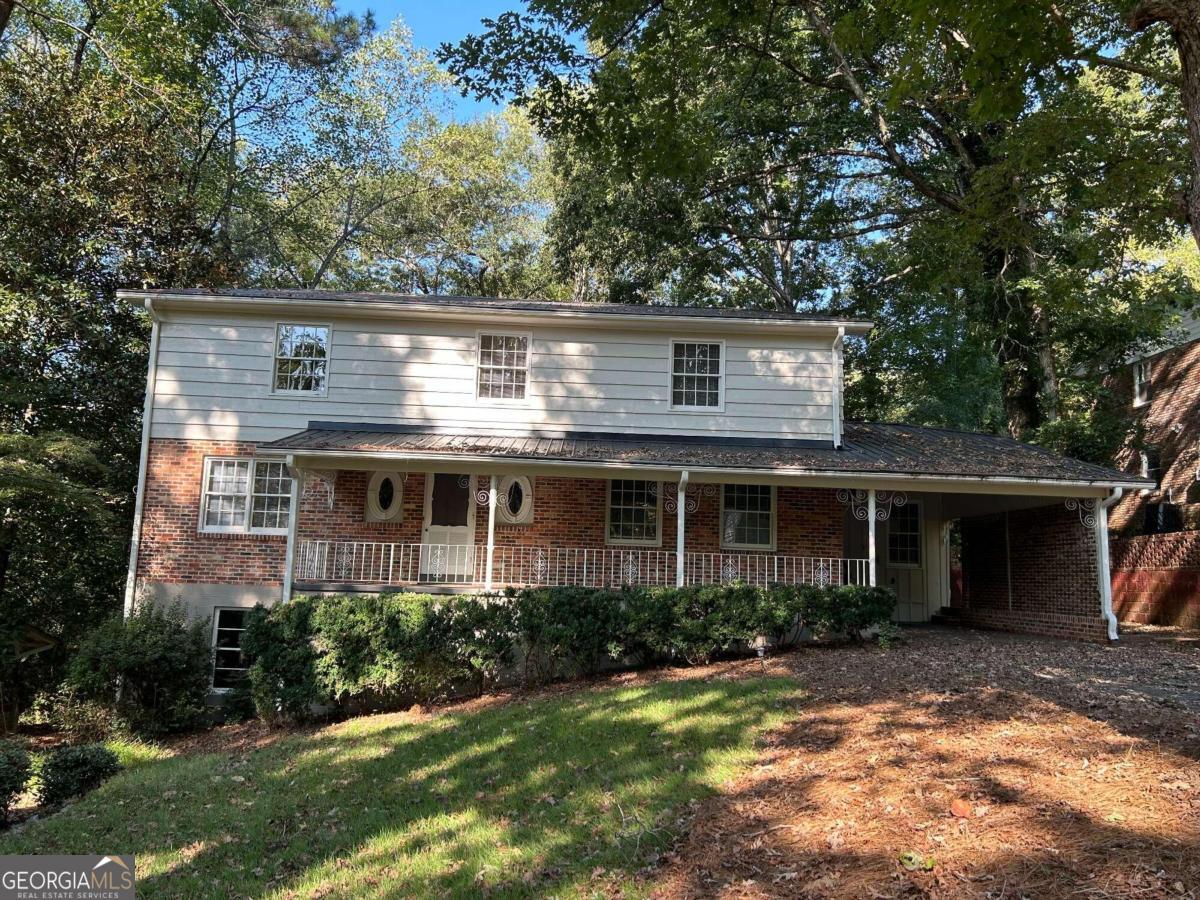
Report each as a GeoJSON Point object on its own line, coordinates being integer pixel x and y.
{"type": "Point", "coordinates": [434, 22]}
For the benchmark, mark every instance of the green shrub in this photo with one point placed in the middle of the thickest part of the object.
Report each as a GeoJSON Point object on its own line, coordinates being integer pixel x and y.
{"type": "Point", "coordinates": [282, 677]}
{"type": "Point", "coordinates": [384, 646]}
{"type": "Point", "coordinates": [570, 631]}
{"type": "Point", "coordinates": [850, 610]}
{"type": "Point", "coordinates": [14, 773]}
{"type": "Point", "coordinates": [151, 670]}
{"type": "Point", "coordinates": [73, 771]}
{"type": "Point", "coordinates": [480, 633]}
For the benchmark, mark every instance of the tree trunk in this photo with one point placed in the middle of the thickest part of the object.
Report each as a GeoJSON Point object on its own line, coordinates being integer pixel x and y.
{"type": "Point", "coordinates": [1021, 343]}
{"type": "Point", "coordinates": [6, 9]}
{"type": "Point", "coordinates": [1183, 17]}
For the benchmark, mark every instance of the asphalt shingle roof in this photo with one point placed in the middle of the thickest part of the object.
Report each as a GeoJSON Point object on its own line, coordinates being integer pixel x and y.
{"type": "Point", "coordinates": [870, 448]}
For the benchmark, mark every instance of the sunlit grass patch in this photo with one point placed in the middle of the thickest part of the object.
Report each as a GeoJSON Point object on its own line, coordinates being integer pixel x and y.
{"type": "Point", "coordinates": [523, 798]}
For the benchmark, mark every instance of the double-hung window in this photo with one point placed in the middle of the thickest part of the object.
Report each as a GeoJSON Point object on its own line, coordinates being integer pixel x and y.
{"type": "Point", "coordinates": [245, 496]}
{"type": "Point", "coordinates": [748, 516]}
{"type": "Point", "coordinates": [503, 370]}
{"type": "Point", "coordinates": [633, 512]}
{"type": "Point", "coordinates": [229, 666]}
{"type": "Point", "coordinates": [696, 373]}
{"type": "Point", "coordinates": [1141, 382]}
{"type": "Point", "coordinates": [301, 359]}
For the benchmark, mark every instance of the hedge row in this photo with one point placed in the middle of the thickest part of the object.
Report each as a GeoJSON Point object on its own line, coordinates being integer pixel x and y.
{"type": "Point", "coordinates": [383, 649]}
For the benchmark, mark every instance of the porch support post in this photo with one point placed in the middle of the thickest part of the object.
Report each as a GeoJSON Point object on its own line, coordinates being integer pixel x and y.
{"type": "Point", "coordinates": [1103, 572]}
{"type": "Point", "coordinates": [289, 556]}
{"type": "Point", "coordinates": [491, 544]}
{"type": "Point", "coordinates": [871, 536]}
{"type": "Point", "coordinates": [680, 517]}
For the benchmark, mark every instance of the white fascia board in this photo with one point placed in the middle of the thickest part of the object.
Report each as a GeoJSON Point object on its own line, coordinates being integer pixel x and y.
{"type": "Point", "coordinates": [468, 313]}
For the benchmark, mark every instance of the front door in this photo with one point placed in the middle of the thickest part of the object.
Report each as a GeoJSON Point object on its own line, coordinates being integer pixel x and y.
{"type": "Point", "coordinates": [448, 537]}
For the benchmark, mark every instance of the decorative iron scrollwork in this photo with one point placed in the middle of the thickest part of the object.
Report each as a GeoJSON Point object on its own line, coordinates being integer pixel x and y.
{"type": "Point", "coordinates": [858, 501]}
{"type": "Point", "coordinates": [1085, 507]}
{"type": "Point", "coordinates": [691, 496]}
{"type": "Point", "coordinates": [326, 479]}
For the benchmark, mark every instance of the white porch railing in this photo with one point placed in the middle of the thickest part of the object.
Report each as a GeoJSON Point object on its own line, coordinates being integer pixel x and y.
{"type": "Point", "coordinates": [388, 564]}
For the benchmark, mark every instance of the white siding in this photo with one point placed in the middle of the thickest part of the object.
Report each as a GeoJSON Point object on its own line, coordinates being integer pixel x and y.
{"type": "Point", "coordinates": [214, 382]}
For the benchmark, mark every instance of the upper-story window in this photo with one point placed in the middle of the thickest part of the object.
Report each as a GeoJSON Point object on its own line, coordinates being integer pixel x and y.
{"type": "Point", "coordinates": [503, 366]}
{"type": "Point", "coordinates": [245, 496]}
{"type": "Point", "coordinates": [696, 372]}
{"type": "Point", "coordinates": [301, 359]}
{"type": "Point", "coordinates": [1141, 382]}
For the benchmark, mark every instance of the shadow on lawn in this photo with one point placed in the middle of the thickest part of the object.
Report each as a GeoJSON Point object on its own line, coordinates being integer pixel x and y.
{"type": "Point", "coordinates": [1071, 788]}
{"type": "Point", "coordinates": [523, 798]}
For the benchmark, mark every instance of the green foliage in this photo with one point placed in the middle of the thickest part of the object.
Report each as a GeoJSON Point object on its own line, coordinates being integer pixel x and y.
{"type": "Point", "coordinates": [283, 663]}
{"type": "Point", "coordinates": [480, 633]}
{"type": "Point", "coordinates": [151, 669]}
{"type": "Point", "coordinates": [14, 773]}
{"type": "Point", "coordinates": [381, 646]}
{"type": "Point", "coordinates": [389, 649]}
{"type": "Point", "coordinates": [571, 630]}
{"type": "Point", "coordinates": [849, 610]}
{"type": "Point", "coordinates": [69, 772]}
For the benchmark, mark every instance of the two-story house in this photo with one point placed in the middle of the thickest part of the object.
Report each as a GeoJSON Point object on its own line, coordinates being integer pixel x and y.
{"type": "Point", "coordinates": [1156, 558]}
{"type": "Point", "coordinates": [311, 441]}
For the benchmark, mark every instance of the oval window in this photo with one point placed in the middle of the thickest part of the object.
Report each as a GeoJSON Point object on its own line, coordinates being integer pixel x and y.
{"type": "Point", "coordinates": [516, 500]}
{"type": "Point", "coordinates": [385, 495]}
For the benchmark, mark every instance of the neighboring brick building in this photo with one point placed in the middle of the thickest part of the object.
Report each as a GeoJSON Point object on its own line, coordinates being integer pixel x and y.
{"type": "Point", "coordinates": [1156, 533]}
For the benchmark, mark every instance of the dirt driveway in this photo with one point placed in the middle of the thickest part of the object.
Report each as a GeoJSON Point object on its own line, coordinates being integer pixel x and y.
{"type": "Point", "coordinates": [966, 764]}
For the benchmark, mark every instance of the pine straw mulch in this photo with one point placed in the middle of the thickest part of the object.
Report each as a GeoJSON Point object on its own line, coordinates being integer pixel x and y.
{"type": "Point", "coordinates": [1010, 766]}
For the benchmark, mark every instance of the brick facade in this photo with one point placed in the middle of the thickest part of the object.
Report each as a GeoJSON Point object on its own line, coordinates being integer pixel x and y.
{"type": "Point", "coordinates": [1156, 577]}
{"type": "Point", "coordinates": [172, 550]}
{"type": "Point", "coordinates": [1047, 584]}
{"type": "Point", "coordinates": [568, 512]}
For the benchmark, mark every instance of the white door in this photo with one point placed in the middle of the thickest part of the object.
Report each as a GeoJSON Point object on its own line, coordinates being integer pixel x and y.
{"type": "Point", "coordinates": [448, 536]}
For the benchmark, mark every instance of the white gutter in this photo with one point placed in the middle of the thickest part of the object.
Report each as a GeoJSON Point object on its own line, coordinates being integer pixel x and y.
{"type": "Point", "coordinates": [1104, 573]}
{"type": "Point", "coordinates": [143, 457]}
{"type": "Point", "coordinates": [497, 312]}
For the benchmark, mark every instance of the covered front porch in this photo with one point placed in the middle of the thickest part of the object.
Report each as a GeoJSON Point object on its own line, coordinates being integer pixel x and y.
{"type": "Point", "coordinates": [461, 531]}
{"type": "Point", "coordinates": [895, 506]}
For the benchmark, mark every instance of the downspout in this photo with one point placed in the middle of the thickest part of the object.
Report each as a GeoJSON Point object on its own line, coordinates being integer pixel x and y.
{"type": "Point", "coordinates": [143, 457]}
{"type": "Point", "coordinates": [680, 525]}
{"type": "Point", "coordinates": [837, 387]}
{"type": "Point", "coordinates": [1104, 573]}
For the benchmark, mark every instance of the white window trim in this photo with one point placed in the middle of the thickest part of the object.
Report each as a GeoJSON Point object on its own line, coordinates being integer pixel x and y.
{"type": "Point", "coordinates": [728, 545]}
{"type": "Point", "coordinates": [610, 541]}
{"type": "Point", "coordinates": [373, 512]}
{"type": "Point", "coordinates": [506, 515]}
{"type": "Point", "coordinates": [720, 407]}
{"type": "Point", "coordinates": [887, 549]}
{"type": "Point", "coordinates": [244, 528]}
{"type": "Point", "coordinates": [504, 401]}
{"type": "Point", "coordinates": [324, 392]}
{"type": "Point", "coordinates": [213, 643]}
{"type": "Point", "coordinates": [1141, 386]}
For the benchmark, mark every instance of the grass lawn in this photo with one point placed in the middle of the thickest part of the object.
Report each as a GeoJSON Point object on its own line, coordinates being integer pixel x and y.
{"type": "Point", "coordinates": [568, 795]}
